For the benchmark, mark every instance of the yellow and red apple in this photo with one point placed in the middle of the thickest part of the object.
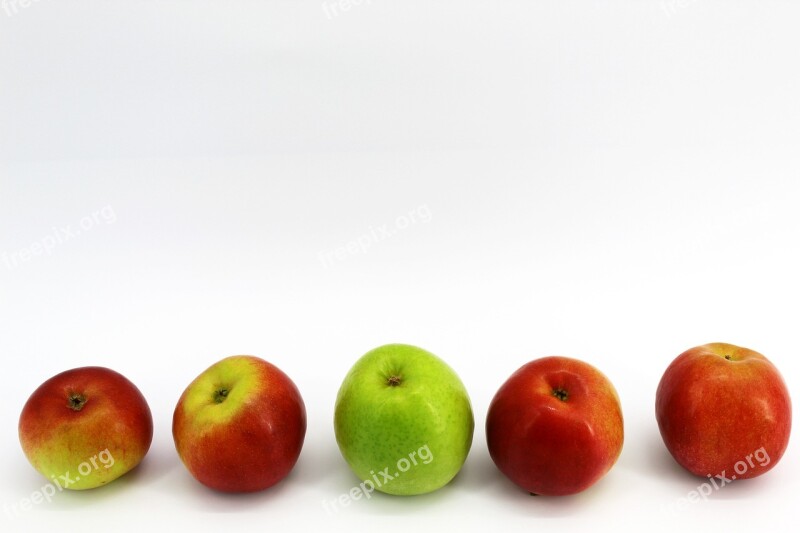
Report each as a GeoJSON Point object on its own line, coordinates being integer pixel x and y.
{"type": "Point", "coordinates": [240, 425]}
{"type": "Point", "coordinates": [555, 426]}
{"type": "Point", "coordinates": [724, 410]}
{"type": "Point", "coordinates": [85, 427]}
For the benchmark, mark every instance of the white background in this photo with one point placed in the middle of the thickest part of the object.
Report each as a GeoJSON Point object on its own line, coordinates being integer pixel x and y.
{"type": "Point", "coordinates": [614, 181]}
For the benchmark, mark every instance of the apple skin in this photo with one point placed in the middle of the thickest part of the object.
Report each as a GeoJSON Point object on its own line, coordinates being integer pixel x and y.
{"type": "Point", "coordinates": [717, 404]}
{"type": "Point", "coordinates": [553, 446]}
{"type": "Point", "coordinates": [247, 438]}
{"type": "Point", "coordinates": [80, 413]}
{"type": "Point", "coordinates": [395, 400]}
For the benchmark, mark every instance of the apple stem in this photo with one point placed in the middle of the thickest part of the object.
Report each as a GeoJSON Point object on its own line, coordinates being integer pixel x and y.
{"type": "Point", "coordinates": [561, 394]}
{"type": "Point", "coordinates": [76, 401]}
{"type": "Point", "coordinates": [220, 395]}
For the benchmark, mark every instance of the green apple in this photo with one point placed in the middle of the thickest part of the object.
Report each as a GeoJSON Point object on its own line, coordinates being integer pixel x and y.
{"type": "Point", "coordinates": [403, 420]}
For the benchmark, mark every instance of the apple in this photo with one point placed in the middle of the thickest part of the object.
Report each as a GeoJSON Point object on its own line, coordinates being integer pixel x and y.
{"type": "Point", "coordinates": [403, 420]}
{"type": "Point", "coordinates": [240, 425]}
{"type": "Point", "coordinates": [85, 427]}
{"type": "Point", "coordinates": [555, 426]}
{"type": "Point", "coordinates": [721, 406]}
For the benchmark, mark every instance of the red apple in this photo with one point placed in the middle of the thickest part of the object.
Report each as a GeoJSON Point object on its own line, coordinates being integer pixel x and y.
{"type": "Point", "coordinates": [85, 427]}
{"type": "Point", "coordinates": [555, 426]}
{"type": "Point", "coordinates": [724, 411]}
{"type": "Point", "coordinates": [239, 426]}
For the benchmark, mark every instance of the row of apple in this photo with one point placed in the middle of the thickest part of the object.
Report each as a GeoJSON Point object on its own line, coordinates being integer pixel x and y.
{"type": "Point", "coordinates": [555, 427]}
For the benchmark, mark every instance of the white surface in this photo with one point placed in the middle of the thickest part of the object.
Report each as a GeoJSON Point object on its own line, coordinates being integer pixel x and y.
{"type": "Point", "coordinates": [614, 181]}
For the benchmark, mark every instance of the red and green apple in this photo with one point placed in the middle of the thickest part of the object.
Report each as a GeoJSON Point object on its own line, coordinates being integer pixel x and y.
{"type": "Point", "coordinates": [240, 425]}
{"type": "Point", "coordinates": [85, 427]}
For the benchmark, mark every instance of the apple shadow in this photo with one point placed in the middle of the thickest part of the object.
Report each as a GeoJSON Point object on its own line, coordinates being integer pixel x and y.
{"type": "Point", "coordinates": [480, 475]}
{"type": "Point", "coordinates": [212, 501]}
{"type": "Point", "coordinates": [313, 469]}
{"type": "Point", "coordinates": [158, 463]}
{"type": "Point", "coordinates": [553, 507]}
{"type": "Point", "coordinates": [381, 504]}
{"type": "Point", "coordinates": [323, 464]}
{"type": "Point", "coordinates": [80, 500]}
{"type": "Point", "coordinates": [653, 459]}
{"type": "Point", "coordinates": [742, 489]}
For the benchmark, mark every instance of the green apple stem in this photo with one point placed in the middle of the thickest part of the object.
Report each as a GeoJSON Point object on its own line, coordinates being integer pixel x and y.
{"type": "Point", "coordinates": [220, 395]}
{"type": "Point", "coordinates": [76, 401]}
